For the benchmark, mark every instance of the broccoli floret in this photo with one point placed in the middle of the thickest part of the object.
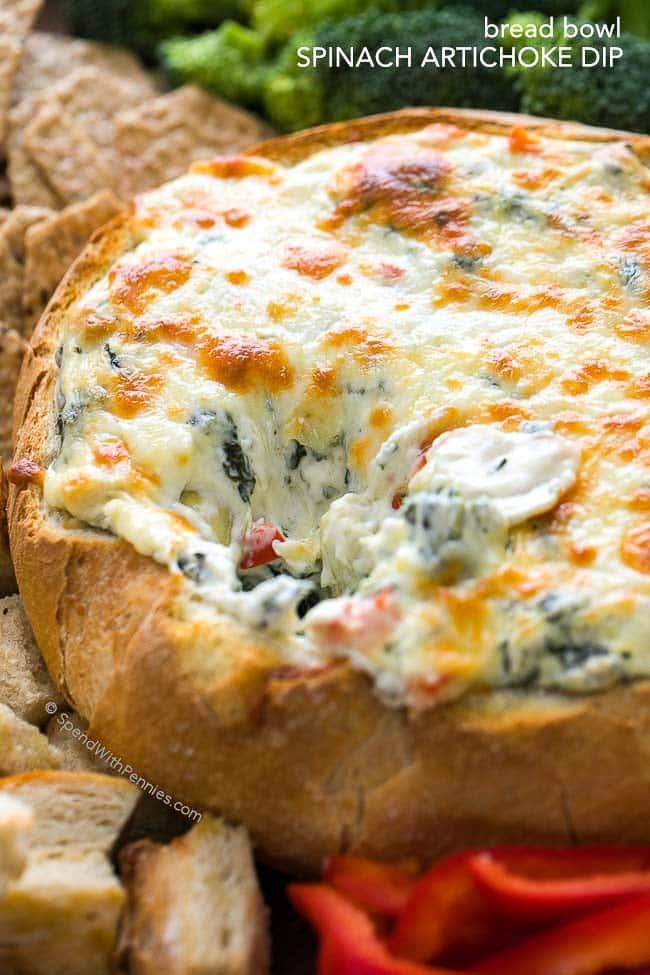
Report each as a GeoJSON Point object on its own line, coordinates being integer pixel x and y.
{"type": "Point", "coordinates": [366, 90]}
{"type": "Point", "coordinates": [498, 9]}
{"type": "Point", "coordinates": [294, 98]}
{"type": "Point", "coordinates": [294, 103]}
{"type": "Point", "coordinates": [277, 20]}
{"type": "Point", "coordinates": [634, 14]}
{"type": "Point", "coordinates": [618, 96]}
{"type": "Point", "coordinates": [229, 61]}
{"type": "Point", "coordinates": [141, 24]}
{"type": "Point", "coordinates": [523, 20]}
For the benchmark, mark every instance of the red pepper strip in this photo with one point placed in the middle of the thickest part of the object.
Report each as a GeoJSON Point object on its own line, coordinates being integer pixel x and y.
{"type": "Point", "coordinates": [616, 938]}
{"type": "Point", "coordinates": [445, 911]}
{"type": "Point", "coordinates": [540, 862]}
{"type": "Point", "coordinates": [378, 888]}
{"type": "Point", "coordinates": [258, 545]}
{"type": "Point", "coordinates": [528, 899]}
{"type": "Point", "coordinates": [349, 944]}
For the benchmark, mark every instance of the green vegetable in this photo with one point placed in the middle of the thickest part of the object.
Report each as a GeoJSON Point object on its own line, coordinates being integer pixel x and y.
{"type": "Point", "coordinates": [277, 20]}
{"type": "Point", "coordinates": [293, 95]}
{"type": "Point", "coordinates": [519, 19]}
{"type": "Point", "coordinates": [618, 96]}
{"type": "Point", "coordinates": [498, 9]}
{"type": "Point", "coordinates": [634, 14]}
{"type": "Point", "coordinates": [229, 61]}
{"type": "Point", "coordinates": [294, 98]}
{"type": "Point", "coordinates": [141, 24]}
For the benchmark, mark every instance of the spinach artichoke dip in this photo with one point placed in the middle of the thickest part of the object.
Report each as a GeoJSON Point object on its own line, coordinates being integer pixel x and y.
{"type": "Point", "coordinates": [386, 405]}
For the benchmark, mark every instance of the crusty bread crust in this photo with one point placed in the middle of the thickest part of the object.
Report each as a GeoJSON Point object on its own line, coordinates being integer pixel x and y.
{"type": "Point", "coordinates": [311, 763]}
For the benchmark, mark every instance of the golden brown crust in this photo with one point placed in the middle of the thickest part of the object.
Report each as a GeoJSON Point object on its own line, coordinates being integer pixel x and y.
{"type": "Point", "coordinates": [315, 763]}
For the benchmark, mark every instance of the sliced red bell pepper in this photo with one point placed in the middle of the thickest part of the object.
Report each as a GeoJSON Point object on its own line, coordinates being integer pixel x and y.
{"type": "Point", "coordinates": [379, 888]}
{"type": "Point", "coordinates": [258, 545]}
{"type": "Point", "coordinates": [542, 886]}
{"type": "Point", "coordinates": [349, 943]}
{"type": "Point", "coordinates": [618, 937]}
{"type": "Point", "coordinates": [445, 911]}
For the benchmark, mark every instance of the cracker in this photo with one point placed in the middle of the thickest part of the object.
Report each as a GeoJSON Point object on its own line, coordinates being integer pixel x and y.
{"type": "Point", "coordinates": [159, 139]}
{"type": "Point", "coordinates": [18, 222]}
{"type": "Point", "coordinates": [10, 50]}
{"type": "Point", "coordinates": [92, 97]}
{"type": "Point", "coordinates": [29, 185]}
{"type": "Point", "coordinates": [16, 18]}
{"type": "Point", "coordinates": [71, 159]}
{"type": "Point", "coordinates": [67, 130]}
{"type": "Point", "coordinates": [49, 58]}
{"type": "Point", "coordinates": [11, 285]}
{"type": "Point", "coordinates": [12, 234]}
{"type": "Point", "coordinates": [53, 244]}
{"type": "Point", "coordinates": [12, 348]}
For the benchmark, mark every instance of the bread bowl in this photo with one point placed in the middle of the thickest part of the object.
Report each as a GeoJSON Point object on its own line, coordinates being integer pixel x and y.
{"type": "Point", "coordinates": [514, 703]}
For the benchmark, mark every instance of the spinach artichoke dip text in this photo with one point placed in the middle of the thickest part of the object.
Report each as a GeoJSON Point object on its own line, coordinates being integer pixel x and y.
{"type": "Point", "coordinates": [386, 405]}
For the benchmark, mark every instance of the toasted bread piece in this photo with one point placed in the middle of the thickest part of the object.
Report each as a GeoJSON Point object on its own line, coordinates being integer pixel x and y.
{"type": "Point", "coordinates": [16, 822]}
{"type": "Point", "coordinates": [25, 685]}
{"type": "Point", "coordinates": [60, 915]}
{"type": "Point", "coordinates": [23, 747]}
{"type": "Point", "coordinates": [61, 801]}
{"type": "Point", "coordinates": [195, 907]}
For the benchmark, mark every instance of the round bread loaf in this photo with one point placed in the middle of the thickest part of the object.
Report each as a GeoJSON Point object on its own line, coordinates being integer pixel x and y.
{"type": "Point", "coordinates": [226, 575]}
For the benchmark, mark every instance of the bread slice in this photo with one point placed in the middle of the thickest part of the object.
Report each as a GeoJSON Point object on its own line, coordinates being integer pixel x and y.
{"type": "Point", "coordinates": [23, 747]}
{"type": "Point", "coordinates": [60, 915]}
{"type": "Point", "coordinates": [25, 686]}
{"type": "Point", "coordinates": [16, 822]}
{"type": "Point", "coordinates": [195, 907]}
{"type": "Point", "coordinates": [74, 811]}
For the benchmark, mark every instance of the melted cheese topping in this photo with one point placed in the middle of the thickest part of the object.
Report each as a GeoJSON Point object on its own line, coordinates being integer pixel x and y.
{"type": "Point", "coordinates": [405, 384]}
